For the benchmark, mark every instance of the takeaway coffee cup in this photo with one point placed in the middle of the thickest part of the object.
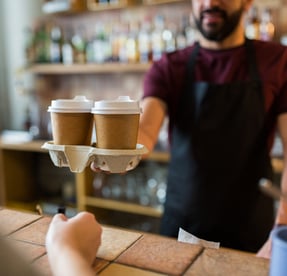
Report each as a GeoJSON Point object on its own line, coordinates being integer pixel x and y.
{"type": "Point", "coordinates": [278, 262]}
{"type": "Point", "coordinates": [72, 121]}
{"type": "Point", "coordinates": [116, 123]}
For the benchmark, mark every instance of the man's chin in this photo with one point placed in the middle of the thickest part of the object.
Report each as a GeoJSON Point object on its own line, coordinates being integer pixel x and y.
{"type": "Point", "coordinates": [216, 37]}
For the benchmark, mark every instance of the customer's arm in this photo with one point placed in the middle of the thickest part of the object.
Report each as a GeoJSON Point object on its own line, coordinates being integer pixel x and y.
{"type": "Point", "coordinates": [72, 244]}
{"type": "Point", "coordinates": [281, 217]}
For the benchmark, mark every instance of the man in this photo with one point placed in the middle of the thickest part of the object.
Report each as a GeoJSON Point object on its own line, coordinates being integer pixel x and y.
{"type": "Point", "coordinates": [224, 96]}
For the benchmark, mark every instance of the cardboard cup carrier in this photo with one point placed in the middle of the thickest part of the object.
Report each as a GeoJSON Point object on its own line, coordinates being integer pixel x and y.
{"type": "Point", "coordinates": [116, 123]}
{"type": "Point", "coordinates": [72, 121]}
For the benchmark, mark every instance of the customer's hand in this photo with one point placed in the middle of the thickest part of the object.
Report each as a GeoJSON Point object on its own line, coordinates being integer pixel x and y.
{"type": "Point", "coordinates": [72, 244]}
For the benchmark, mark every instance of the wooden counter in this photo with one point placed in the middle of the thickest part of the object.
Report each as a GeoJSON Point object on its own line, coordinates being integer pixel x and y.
{"type": "Point", "coordinates": [125, 252]}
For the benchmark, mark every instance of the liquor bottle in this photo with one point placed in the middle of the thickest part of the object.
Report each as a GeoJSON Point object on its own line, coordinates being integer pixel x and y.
{"type": "Point", "coordinates": [79, 45]}
{"type": "Point", "coordinates": [122, 42]}
{"type": "Point", "coordinates": [95, 48]}
{"type": "Point", "coordinates": [180, 38]}
{"type": "Point", "coordinates": [144, 42]}
{"type": "Point", "coordinates": [132, 42]}
{"type": "Point", "coordinates": [168, 37]}
{"type": "Point", "coordinates": [67, 48]}
{"type": "Point", "coordinates": [55, 44]}
{"type": "Point", "coordinates": [42, 43]}
{"type": "Point", "coordinates": [266, 27]}
{"type": "Point", "coordinates": [114, 39]}
{"type": "Point", "coordinates": [102, 46]}
{"type": "Point", "coordinates": [30, 45]}
{"type": "Point", "coordinates": [189, 30]}
{"type": "Point", "coordinates": [252, 24]}
{"type": "Point", "coordinates": [157, 43]}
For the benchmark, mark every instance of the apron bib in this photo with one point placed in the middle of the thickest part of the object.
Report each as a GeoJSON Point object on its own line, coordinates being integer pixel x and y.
{"type": "Point", "coordinates": [218, 154]}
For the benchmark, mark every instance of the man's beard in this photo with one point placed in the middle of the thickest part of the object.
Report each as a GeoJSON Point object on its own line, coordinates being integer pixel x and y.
{"type": "Point", "coordinates": [218, 32]}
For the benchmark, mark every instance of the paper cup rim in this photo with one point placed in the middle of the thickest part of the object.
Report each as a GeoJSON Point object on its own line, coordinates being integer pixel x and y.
{"type": "Point", "coordinates": [66, 110]}
{"type": "Point", "coordinates": [114, 112]}
{"type": "Point", "coordinates": [277, 236]}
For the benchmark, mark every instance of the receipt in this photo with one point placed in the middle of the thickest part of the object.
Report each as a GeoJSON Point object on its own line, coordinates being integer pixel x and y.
{"type": "Point", "coordinates": [184, 236]}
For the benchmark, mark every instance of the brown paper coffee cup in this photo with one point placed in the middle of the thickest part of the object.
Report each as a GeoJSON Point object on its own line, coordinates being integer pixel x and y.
{"type": "Point", "coordinates": [116, 123]}
{"type": "Point", "coordinates": [72, 121]}
{"type": "Point", "coordinates": [116, 131]}
{"type": "Point", "coordinates": [72, 128]}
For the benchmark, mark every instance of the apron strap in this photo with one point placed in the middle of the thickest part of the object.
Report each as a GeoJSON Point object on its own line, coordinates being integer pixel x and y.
{"type": "Point", "coordinates": [251, 57]}
{"type": "Point", "coordinates": [191, 63]}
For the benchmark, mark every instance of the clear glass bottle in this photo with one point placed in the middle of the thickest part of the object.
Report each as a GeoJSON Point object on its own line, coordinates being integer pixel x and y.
{"type": "Point", "coordinates": [252, 24]}
{"type": "Point", "coordinates": [266, 27]}
{"type": "Point", "coordinates": [189, 30]}
{"type": "Point", "coordinates": [180, 39]}
{"type": "Point", "coordinates": [132, 42]}
{"type": "Point", "coordinates": [67, 48]}
{"type": "Point", "coordinates": [79, 44]}
{"type": "Point", "coordinates": [144, 42]}
{"type": "Point", "coordinates": [55, 44]}
{"type": "Point", "coordinates": [30, 45]}
{"type": "Point", "coordinates": [157, 43]}
{"type": "Point", "coordinates": [168, 36]}
{"type": "Point", "coordinates": [42, 43]}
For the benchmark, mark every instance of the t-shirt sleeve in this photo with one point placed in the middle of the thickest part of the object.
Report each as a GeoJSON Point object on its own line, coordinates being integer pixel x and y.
{"type": "Point", "coordinates": [155, 80]}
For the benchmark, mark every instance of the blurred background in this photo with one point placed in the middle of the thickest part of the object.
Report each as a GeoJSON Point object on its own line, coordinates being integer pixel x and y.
{"type": "Point", "coordinates": [100, 49]}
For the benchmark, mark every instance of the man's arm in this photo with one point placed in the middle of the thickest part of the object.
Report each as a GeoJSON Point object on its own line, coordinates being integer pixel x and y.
{"type": "Point", "coordinates": [281, 216]}
{"type": "Point", "coordinates": [151, 120]}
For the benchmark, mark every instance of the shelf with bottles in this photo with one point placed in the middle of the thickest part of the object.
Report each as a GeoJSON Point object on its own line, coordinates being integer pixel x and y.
{"type": "Point", "coordinates": [101, 5]}
{"type": "Point", "coordinates": [140, 191]}
{"type": "Point", "coordinates": [78, 6]}
{"type": "Point", "coordinates": [128, 38]}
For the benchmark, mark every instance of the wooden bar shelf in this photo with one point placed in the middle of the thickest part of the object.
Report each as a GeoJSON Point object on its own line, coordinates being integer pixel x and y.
{"type": "Point", "coordinates": [87, 68]}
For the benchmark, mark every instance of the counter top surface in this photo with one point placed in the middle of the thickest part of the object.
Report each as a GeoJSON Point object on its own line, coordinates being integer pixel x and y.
{"type": "Point", "coordinates": [126, 252]}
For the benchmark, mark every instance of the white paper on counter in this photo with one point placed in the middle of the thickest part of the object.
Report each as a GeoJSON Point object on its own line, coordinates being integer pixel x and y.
{"type": "Point", "coordinates": [184, 236]}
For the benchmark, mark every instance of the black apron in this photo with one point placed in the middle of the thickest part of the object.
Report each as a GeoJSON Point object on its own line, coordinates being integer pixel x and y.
{"type": "Point", "coordinates": [218, 154]}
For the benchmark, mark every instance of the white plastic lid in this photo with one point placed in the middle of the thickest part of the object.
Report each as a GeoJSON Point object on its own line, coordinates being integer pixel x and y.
{"type": "Point", "coordinates": [122, 105]}
{"type": "Point", "coordinates": [79, 104]}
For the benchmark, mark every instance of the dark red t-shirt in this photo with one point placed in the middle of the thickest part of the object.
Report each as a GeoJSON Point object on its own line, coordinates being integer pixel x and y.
{"type": "Point", "coordinates": [166, 78]}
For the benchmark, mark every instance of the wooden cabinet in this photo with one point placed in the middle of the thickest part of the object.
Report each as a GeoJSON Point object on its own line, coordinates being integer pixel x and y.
{"type": "Point", "coordinates": [79, 69]}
